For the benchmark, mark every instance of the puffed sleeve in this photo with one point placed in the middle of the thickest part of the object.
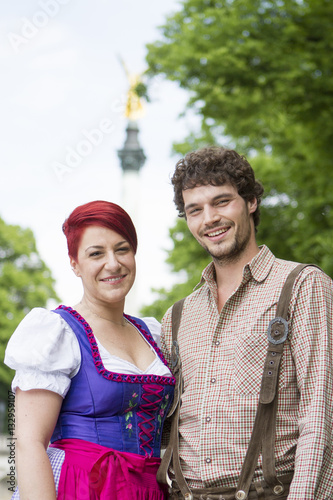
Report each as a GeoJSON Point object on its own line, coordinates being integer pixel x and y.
{"type": "Point", "coordinates": [44, 352]}
{"type": "Point", "coordinates": [154, 328]}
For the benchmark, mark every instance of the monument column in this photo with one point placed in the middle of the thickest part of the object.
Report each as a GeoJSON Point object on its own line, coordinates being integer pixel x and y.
{"type": "Point", "coordinates": [132, 159]}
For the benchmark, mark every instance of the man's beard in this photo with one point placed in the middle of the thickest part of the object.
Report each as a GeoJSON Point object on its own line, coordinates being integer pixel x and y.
{"type": "Point", "coordinates": [231, 254]}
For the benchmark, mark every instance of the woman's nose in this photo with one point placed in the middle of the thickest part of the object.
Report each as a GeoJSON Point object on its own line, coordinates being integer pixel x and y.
{"type": "Point", "coordinates": [112, 262]}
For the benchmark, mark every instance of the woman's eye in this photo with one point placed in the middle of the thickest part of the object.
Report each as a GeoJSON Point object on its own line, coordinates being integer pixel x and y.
{"type": "Point", "coordinates": [123, 249]}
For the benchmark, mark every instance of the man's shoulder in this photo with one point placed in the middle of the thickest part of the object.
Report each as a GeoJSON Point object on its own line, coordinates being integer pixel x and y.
{"type": "Point", "coordinates": [277, 268]}
{"type": "Point", "coordinates": [310, 278]}
{"type": "Point", "coordinates": [283, 267]}
{"type": "Point", "coordinates": [198, 296]}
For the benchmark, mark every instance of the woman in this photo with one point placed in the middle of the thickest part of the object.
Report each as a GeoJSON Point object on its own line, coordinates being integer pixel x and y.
{"type": "Point", "coordinates": [90, 379]}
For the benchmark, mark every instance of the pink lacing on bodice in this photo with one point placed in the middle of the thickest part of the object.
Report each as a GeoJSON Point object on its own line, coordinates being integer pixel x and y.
{"type": "Point", "coordinates": [152, 398]}
{"type": "Point", "coordinates": [121, 377]}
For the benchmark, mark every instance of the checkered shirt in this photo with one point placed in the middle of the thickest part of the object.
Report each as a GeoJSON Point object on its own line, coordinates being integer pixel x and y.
{"type": "Point", "coordinates": [223, 358]}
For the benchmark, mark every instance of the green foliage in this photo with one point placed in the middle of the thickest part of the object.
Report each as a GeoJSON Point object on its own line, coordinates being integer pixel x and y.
{"type": "Point", "coordinates": [25, 282]}
{"type": "Point", "coordinates": [260, 75]}
{"type": "Point", "coordinates": [248, 62]}
{"type": "Point", "coordinates": [141, 91]}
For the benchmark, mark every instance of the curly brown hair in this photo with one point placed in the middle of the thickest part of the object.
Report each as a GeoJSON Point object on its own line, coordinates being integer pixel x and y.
{"type": "Point", "coordinates": [216, 166]}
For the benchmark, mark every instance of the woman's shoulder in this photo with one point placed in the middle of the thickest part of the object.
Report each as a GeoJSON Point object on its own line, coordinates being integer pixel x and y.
{"type": "Point", "coordinates": [40, 338]}
{"type": "Point", "coordinates": [44, 352]}
{"type": "Point", "coordinates": [39, 316]}
{"type": "Point", "coordinates": [154, 328]}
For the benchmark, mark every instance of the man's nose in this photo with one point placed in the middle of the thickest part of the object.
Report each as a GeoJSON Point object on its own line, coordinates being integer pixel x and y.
{"type": "Point", "coordinates": [211, 215]}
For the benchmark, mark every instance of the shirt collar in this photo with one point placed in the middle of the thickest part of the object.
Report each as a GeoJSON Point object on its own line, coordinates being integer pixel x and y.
{"type": "Point", "coordinates": [260, 265]}
{"type": "Point", "coordinates": [258, 268]}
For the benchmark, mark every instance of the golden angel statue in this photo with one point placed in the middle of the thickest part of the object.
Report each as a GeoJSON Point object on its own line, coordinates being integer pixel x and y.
{"type": "Point", "coordinates": [134, 106]}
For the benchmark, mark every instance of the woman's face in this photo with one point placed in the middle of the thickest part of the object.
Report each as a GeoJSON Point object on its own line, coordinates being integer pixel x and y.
{"type": "Point", "coordinates": [106, 265]}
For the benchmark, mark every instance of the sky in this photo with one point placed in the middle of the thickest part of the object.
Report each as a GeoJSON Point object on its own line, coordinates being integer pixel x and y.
{"type": "Point", "coordinates": [63, 92]}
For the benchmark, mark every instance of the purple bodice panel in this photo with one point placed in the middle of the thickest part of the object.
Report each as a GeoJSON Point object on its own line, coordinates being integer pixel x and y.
{"type": "Point", "coordinates": [119, 411]}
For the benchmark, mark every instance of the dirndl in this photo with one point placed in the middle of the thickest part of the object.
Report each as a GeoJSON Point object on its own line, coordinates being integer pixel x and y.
{"type": "Point", "coordinates": [93, 472]}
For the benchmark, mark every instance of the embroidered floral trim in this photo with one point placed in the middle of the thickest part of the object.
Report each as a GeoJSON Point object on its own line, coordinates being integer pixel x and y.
{"type": "Point", "coordinates": [129, 413]}
{"type": "Point", "coordinates": [120, 377]}
{"type": "Point", "coordinates": [161, 414]}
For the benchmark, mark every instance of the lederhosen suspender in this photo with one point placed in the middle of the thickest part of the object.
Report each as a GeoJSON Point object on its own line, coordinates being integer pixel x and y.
{"type": "Point", "coordinates": [172, 451]}
{"type": "Point", "coordinates": [263, 434]}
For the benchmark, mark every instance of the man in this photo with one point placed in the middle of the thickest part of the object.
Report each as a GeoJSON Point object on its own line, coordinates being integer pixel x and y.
{"type": "Point", "coordinates": [223, 344]}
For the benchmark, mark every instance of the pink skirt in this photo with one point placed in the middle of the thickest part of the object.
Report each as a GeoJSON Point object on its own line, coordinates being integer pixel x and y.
{"type": "Point", "coordinates": [94, 472]}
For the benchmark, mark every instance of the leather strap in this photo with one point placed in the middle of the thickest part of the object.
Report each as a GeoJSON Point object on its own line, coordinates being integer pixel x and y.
{"type": "Point", "coordinates": [175, 358]}
{"type": "Point", "coordinates": [172, 448]}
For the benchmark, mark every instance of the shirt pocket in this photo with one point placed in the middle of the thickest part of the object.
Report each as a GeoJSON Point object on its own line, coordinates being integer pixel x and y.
{"type": "Point", "coordinates": [249, 354]}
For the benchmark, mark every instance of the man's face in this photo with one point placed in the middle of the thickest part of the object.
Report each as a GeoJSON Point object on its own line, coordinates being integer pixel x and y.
{"type": "Point", "coordinates": [221, 221]}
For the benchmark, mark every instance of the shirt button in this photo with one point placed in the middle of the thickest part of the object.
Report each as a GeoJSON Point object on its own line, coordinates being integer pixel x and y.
{"type": "Point", "coordinates": [217, 343]}
{"type": "Point", "coordinates": [208, 419]}
{"type": "Point", "coordinates": [213, 380]}
{"type": "Point", "coordinates": [208, 460]}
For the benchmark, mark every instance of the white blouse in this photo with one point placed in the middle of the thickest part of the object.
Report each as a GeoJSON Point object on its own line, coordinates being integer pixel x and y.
{"type": "Point", "coordinates": [45, 353]}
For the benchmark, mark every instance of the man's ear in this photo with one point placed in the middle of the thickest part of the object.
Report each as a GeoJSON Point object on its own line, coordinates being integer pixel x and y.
{"type": "Point", "coordinates": [252, 205]}
{"type": "Point", "coordinates": [75, 267]}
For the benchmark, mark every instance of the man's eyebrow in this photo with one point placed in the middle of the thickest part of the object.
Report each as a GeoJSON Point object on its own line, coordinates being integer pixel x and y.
{"type": "Point", "coordinates": [190, 205]}
{"type": "Point", "coordinates": [222, 195]}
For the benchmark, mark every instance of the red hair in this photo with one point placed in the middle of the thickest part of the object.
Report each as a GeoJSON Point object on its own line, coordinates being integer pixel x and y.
{"type": "Point", "coordinates": [98, 213]}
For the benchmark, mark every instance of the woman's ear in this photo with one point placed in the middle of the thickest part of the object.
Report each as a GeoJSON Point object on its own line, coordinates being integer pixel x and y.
{"type": "Point", "coordinates": [75, 267]}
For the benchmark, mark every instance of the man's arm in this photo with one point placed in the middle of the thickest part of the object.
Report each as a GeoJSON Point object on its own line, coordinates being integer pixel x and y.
{"type": "Point", "coordinates": [311, 344]}
{"type": "Point", "coordinates": [166, 335]}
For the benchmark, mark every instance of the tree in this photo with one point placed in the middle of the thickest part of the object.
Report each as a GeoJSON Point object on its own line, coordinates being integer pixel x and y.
{"type": "Point", "coordinates": [25, 282]}
{"type": "Point", "coordinates": [250, 65]}
{"type": "Point", "coordinates": [260, 75]}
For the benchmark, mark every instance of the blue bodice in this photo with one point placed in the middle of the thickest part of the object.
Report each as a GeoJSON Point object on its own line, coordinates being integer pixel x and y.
{"type": "Point", "coordinates": [119, 411]}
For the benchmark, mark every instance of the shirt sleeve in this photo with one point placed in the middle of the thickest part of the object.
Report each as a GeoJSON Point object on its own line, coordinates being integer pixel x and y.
{"type": "Point", "coordinates": [311, 343]}
{"type": "Point", "coordinates": [166, 335]}
{"type": "Point", "coordinates": [44, 352]}
{"type": "Point", "coordinates": [166, 338]}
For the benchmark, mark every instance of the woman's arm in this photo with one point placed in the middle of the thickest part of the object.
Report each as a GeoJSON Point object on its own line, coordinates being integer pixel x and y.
{"type": "Point", "coordinates": [36, 416]}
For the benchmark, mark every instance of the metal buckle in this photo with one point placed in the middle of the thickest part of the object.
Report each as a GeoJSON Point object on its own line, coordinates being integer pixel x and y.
{"type": "Point", "coordinates": [174, 353]}
{"type": "Point", "coordinates": [277, 331]}
{"type": "Point", "coordinates": [278, 489]}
